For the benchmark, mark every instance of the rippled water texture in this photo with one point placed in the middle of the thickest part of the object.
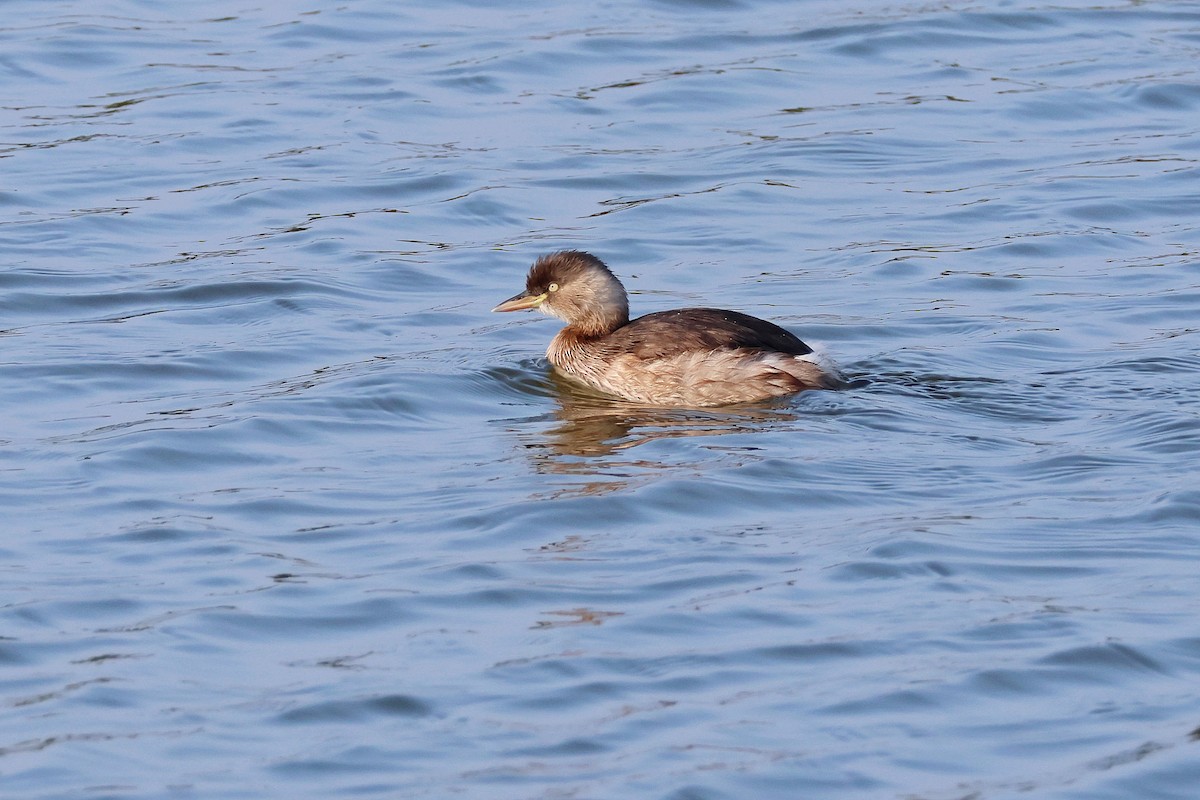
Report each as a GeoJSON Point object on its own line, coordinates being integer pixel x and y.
{"type": "Point", "coordinates": [287, 513]}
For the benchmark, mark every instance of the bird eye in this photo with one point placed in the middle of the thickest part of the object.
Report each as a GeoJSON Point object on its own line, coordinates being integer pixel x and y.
{"type": "Point", "coordinates": [553, 287]}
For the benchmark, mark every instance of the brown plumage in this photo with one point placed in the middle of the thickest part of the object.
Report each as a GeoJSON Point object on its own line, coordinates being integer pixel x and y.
{"type": "Point", "coordinates": [685, 357]}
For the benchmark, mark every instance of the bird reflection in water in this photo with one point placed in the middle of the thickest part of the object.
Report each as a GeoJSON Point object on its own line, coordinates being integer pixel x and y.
{"type": "Point", "coordinates": [587, 425]}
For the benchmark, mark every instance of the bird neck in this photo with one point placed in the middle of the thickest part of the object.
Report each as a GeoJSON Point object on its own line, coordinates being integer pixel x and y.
{"type": "Point", "coordinates": [575, 340]}
{"type": "Point", "coordinates": [599, 322]}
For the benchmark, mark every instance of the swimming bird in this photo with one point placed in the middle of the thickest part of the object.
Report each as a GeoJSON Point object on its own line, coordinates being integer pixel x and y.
{"type": "Point", "coordinates": [687, 357]}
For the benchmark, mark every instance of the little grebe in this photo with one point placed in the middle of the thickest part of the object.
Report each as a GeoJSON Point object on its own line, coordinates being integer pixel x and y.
{"type": "Point", "coordinates": [686, 357]}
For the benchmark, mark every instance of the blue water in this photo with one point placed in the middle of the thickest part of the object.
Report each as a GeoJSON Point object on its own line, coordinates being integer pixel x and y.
{"type": "Point", "coordinates": [289, 514]}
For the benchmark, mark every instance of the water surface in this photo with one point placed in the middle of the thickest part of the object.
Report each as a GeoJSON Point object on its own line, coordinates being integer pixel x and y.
{"type": "Point", "coordinates": [289, 513]}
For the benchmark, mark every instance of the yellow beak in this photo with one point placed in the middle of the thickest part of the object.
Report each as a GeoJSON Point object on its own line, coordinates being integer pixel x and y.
{"type": "Point", "coordinates": [522, 302]}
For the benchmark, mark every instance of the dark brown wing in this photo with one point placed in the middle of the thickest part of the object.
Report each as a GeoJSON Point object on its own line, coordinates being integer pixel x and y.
{"type": "Point", "coordinates": [669, 333]}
